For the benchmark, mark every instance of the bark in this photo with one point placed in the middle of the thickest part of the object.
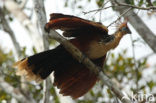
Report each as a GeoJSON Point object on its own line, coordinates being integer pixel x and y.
{"type": "Point", "coordinates": [40, 12]}
{"type": "Point", "coordinates": [42, 20]}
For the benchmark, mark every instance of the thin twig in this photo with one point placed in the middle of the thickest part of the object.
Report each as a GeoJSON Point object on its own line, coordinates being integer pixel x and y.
{"type": "Point", "coordinates": [76, 53]}
{"type": "Point", "coordinates": [136, 7]}
{"type": "Point", "coordinates": [101, 10]}
{"type": "Point", "coordinates": [146, 56]}
{"type": "Point", "coordinates": [96, 10]}
{"type": "Point", "coordinates": [106, 3]}
{"type": "Point", "coordinates": [123, 4]}
{"type": "Point", "coordinates": [119, 17]}
{"type": "Point", "coordinates": [135, 66]}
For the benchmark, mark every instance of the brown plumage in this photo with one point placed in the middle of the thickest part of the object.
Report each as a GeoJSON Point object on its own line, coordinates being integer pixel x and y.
{"type": "Point", "coordinates": [70, 76]}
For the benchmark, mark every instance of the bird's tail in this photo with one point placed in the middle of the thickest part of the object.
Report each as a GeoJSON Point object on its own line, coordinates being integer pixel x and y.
{"type": "Point", "coordinates": [25, 70]}
{"type": "Point", "coordinates": [38, 66]}
{"type": "Point", "coordinates": [71, 77]}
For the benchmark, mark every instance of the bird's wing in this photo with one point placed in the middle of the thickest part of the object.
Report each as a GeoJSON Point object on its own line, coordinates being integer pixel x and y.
{"type": "Point", "coordinates": [74, 26]}
{"type": "Point", "coordinates": [71, 77]}
{"type": "Point", "coordinates": [76, 79]}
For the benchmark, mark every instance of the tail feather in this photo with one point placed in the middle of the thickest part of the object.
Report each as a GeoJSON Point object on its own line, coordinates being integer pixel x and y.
{"type": "Point", "coordinates": [40, 66]}
{"type": "Point", "coordinates": [25, 70]}
{"type": "Point", "coordinates": [70, 76]}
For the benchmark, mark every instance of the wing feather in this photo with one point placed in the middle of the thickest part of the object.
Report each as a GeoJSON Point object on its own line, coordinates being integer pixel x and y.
{"type": "Point", "coordinates": [74, 26]}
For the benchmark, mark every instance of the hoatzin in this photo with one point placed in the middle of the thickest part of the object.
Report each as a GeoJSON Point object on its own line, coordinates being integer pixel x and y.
{"type": "Point", "coordinates": [70, 76]}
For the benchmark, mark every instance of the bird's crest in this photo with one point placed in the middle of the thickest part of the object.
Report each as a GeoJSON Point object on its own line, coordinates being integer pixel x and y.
{"type": "Point", "coordinates": [123, 24]}
{"type": "Point", "coordinates": [123, 27]}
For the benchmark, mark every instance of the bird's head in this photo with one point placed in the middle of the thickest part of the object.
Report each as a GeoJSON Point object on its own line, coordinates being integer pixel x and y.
{"type": "Point", "coordinates": [124, 29]}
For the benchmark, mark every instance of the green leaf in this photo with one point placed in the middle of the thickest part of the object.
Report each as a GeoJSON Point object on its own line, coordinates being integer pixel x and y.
{"type": "Point", "coordinates": [66, 3]}
{"type": "Point", "coordinates": [99, 94]}
{"type": "Point", "coordinates": [154, 3]}
{"type": "Point", "coordinates": [80, 7]}
{"type": "Point", "coordinates": [112, 55]}
{"type": "Point", "coordinates": [100, 2]}
{"type": "Point", "coordinates": [34, 50]}
{"type": "Point", "coordinates": [139, 75]}
{"type": "Point", "coordinates": [151, 84]}
{"type": "Point", "coordinates": [130, 2]}
{"type": "Point", "coordinates": [10, 18]}
{"type": "Point", "coordinates": [109, 92]}
{"type": "Point", "coordinates": [141, 2]}
{"type": "Point", "coordinates": [23, 51]}
{"type": "Point", "coordinates": [92, 93]}
{"type": "Point", "coordinates": [52, 42]}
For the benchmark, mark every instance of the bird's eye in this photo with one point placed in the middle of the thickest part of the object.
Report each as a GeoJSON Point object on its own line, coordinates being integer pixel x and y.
{"type": "Point", "coordinates": [124, 29]}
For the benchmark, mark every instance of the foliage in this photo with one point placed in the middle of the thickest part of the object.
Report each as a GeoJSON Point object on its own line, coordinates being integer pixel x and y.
{"type": "Point", "coordinates": [119, 67]}
{"type": "Point", "coordinates": [122, 68]}
{"type": "Point", "coordinates": [5, 61]}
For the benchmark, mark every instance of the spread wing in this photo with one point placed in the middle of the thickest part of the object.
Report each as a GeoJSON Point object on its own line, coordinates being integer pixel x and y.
{"type": "Point", "coordinates": [71, 77]}
{"type": "Point", "coordinates": [74, 26]}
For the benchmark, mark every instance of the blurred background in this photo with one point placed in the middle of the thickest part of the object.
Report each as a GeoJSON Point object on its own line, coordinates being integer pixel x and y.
{"type": "Point", "coordinates": [132, 65]}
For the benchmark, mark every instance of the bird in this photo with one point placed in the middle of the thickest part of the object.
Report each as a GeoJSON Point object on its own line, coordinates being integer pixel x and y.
{"type": "Point", "coordinates": [71, 76]}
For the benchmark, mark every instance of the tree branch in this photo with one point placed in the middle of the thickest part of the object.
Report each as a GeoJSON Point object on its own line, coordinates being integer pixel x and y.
{"type": "Point", "coordinates": [40, 12]}
{"type": "Point", "coordinates": [89, 64]}
{"type": "Point", "coordinates": [15, 92]}
{"type": "Point", "coordinates": [96, 10]}
{"type": "Point", "coordinates": [124, 4]}
{"type": "Point", "coordinates": [133, 6]}
{"type": "Point", "coordinates": [41, 15]}
{"type": "Point", "coordinates": [18, 13]}
{"type": "Point", "coordinates": [138, 25]}
{"type": "Point", "coordinates": [7, 29]}
{"type": "Point", "coordinates": [4, 84]}
{"type": "Point", "coordinates": [135, 65]}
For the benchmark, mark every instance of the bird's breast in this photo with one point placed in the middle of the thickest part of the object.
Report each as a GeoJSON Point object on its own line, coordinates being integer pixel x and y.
{"type": "Point", "coordinates": [93, 48]}
{"type": "Point", "coordinates": [96, 50]}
